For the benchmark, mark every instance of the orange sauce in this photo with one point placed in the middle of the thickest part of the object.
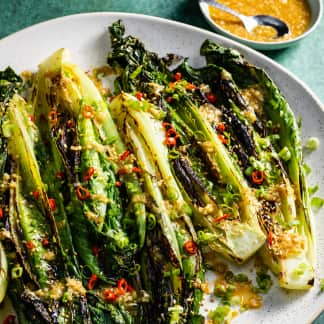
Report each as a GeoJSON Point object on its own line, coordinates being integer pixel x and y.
{"type": "Point", "coordinates": [247, 297]}
{"type": "Point", "coordinates": [296, 13]}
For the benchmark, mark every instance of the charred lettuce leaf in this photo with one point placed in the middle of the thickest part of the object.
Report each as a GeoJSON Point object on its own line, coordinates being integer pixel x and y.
{"type": "Point", "coordinates": [295, 270]}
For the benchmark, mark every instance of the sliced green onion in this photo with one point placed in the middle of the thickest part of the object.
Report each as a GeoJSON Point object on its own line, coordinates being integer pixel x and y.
{"type": "Point", "coordinates": [322, 285]}
{"type": "Point", "coordinates": [16, 272]}
{"type": "Point", "coordinates": [135, 73]}
{"type": "Point", "coordinates": [220, 313]}
{"type": "Point", "coordinates": [151, 221]}
{"type": "Point", "coordinates": [132, 246]}
{"type": "Point", "coordinates": [263, 142]}
{"type": "Point", "coordinates": [248, 171]}
{"type": "Point", "coordinates": [241, 277]}
{"type": "Point", "coordinates": [300, 270]}
{"type": "Point", "coordinates": [312, 144]}
{"type": "Point", "coordinates": [205, 237]}
{"type": "Point", "coordinates": [307, 169]}
{"type": "Point", "coordinates": [285, 154]}
{"type": "Point", "coordinates": [264, 282]}
{"type": "Point", "coordinates": [312, 190]}
{"type": "Point", "coordinates": [317, 202]}
{"type": "Point", "coordinates": [67, 297]}
{"type": "Point", "coordinates": [172, 194]}
{"type": "Point", "coordinates": [173, 154]}
{"type": "Point", "coordinates": [135, 269]}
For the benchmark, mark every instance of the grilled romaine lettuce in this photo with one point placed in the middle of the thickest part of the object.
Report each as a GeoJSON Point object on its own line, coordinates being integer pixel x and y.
{"type": "Point", "coordinates": [286, 214]}
{"type": "Point", "coordinates": [235, 129]}
{"type": "Point", "coordinates": [80, 128]}
{"type": "Point", "coordinates": [10, 83]}
{"type": "Point", "coordinates": [237, 237]}
{"type": "Point", "coordinates": [182, 267]}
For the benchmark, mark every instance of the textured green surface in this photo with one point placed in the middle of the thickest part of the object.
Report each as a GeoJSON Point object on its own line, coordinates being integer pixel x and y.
{"type": "Point", "coordinates": [305, 60]}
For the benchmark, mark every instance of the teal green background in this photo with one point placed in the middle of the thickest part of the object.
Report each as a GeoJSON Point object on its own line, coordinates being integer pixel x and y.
{"type": "Point", "coordinates": [305, 59]}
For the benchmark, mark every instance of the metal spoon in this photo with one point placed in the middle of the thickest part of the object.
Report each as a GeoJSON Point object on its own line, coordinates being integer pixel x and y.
{"type": "Point", "coordinates": [250, 22]}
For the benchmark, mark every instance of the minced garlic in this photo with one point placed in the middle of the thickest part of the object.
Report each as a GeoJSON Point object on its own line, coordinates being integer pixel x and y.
{"type": "Point", "coordinates": [75, 287]}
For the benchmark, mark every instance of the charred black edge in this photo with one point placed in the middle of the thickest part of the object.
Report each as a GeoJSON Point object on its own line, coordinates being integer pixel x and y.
{"type": "Point", "coordinates": [84, 310]}
{"type": "Point", "coordinates": [186, 181]}
{"type": "Point", "coordinates": [232, 93]}
{"type": "Point", "coordinates": [64, 138]}
{"type": "Point", "coordinates": [48, 312]}
{"type": "Point", "coordinates": [241, 133]}
{"type": "Point", "coordinates": [172, 61]}
{"type": "Point", "coordinates": [160, 286]}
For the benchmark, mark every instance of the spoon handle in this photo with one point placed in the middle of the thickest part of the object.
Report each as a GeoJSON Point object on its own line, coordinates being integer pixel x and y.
{"type": "Point", "coordinates": [222, 7]}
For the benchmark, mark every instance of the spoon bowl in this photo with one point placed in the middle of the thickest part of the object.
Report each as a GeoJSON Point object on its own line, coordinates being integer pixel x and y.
{"type": "Point", "coordinates": [251, 22]}
{"type": "Point", "coordinates": [316, 8]}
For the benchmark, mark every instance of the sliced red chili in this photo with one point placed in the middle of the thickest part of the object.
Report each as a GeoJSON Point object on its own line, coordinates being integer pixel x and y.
{"type": "Point", "coordinates": [220, 218]}
{"type": "Point", "coordinates": [109, 295]}
{"type": "Point", "coordinates": [177, 76]}
{"type": "Point", "coordinates": [211, 97]}
{"type": "Point", "coordinates": [166, 125]}
{"type": "Point", "coordinates": [257, 177]}
{"type": "Point", "coordinates": [270, 238]}
{"type": "Point", "coordinates": [89, 173]}
{"type": "Point", "coordinates": [88, 111]}
{"type": "Point", "coordinates": [169, 99]}
{"type": "Point", "coordinates": [60, 175]}
{"type": "Point", "coordinates": [139, 96]}
{"type": "Point", "coordinates": [10, 319]}
{"type": "Point", "coordinates": [172, 133]}
{"type": "Point", "coordinates": [82, 193]}
{"type": "Point", "coordinates": [45, 242]}
{"type": "Point", "coordinates": [276, 130]}
{"type": "Point", "coordinates": [171, 85]}
{"type": "Point", "coordinates": [52, 116]}
{"type": "Point", "coordinates": [137, 170]}
{"type": "Point", "coordinates": [221, 128]}
{"type": "Point", "coordinates": [52, 203]}
{"type": "Point", "coordinates": [92, 281]}
{"type": "Point", "coordinates": [171, 141]}
{"type": "Point", "coordinates": [1, 213]}
{"type": "Point", "coordinates": [30, 245]}
{"type": "Point", "coordinates": [190, 86]}
{"type": "Point", "coordinates": [122, 286]}
{"type": "Point", "coordinates": [122, 171]}
{"type": "Point", "coordinates": [119, 183]}
{"type": "Point", "coordinates": [125, 155]}
{"type": "Point", "coordinates": [190, 247]}
{"type": "Point", "coordinates": [95, 250]}
{"type": "Point", "coordinates": [130, 288]}
{"type": "Point", "coordinates": [36, 194]}
{"type": "Point", "coordinates": [70, 123]}
{"type": "Point", "coordinates": [31, 118]}
{"type": "Point", "coordinates": [222, 138]}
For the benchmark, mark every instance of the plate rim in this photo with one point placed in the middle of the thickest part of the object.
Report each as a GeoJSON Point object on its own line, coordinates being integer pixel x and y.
{"type": "Point", "coordinates": [232, 42]}
{"type": "Point", "coordinates": [208, 33]}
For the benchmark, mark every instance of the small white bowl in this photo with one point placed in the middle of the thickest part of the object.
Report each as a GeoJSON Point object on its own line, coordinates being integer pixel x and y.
{"type": "Point", "coordinates": [316, 14]}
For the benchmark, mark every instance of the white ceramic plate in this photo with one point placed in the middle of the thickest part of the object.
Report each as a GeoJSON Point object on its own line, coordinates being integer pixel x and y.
{"type": "Point", "coordinates": [87, 38]}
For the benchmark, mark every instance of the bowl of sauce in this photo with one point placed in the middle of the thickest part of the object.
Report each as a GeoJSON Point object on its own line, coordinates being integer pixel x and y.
{"type": "Point", "coordinates": [302, 17]}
